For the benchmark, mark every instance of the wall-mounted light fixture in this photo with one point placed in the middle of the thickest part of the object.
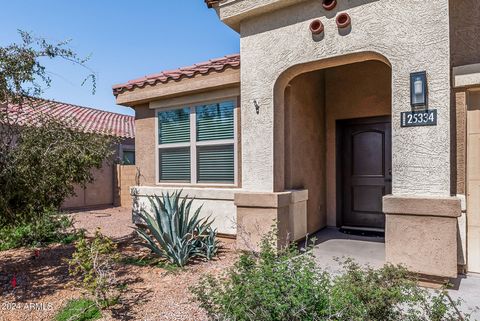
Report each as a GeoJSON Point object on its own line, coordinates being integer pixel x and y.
{"type": "Point", "coordinates": [419, 90]}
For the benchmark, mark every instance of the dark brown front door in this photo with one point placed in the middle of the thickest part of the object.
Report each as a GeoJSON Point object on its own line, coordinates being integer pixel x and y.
{"type": "Point", "coordinates": [366, 171]}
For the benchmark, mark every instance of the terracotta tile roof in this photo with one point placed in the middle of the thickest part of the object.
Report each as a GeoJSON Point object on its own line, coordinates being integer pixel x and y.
{"type": "Point", "coordinates": [203, 68]}
{"type": "Point", "coordinates": [88, 120]}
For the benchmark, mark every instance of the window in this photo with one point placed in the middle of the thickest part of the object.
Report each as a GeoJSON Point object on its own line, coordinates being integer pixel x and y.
{"type": "Point", "coordinates": [197, 144]}
{"type": "Point", "coordinates": [128, 157]}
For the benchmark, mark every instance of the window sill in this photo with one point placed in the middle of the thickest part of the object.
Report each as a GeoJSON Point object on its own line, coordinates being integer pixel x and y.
{"type": "Point", "coordinates": [206, 192]}
{"type": "Point", "coordinates": [199, 185]}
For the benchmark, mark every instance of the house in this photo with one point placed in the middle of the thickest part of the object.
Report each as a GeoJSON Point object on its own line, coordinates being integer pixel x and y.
{"type": "Point", "coordinates": [105, 189]}
{"type": "Point", "coordinates": [356, 114]}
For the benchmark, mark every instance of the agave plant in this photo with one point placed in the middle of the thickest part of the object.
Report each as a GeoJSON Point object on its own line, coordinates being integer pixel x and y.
{"type": "Point", "coordinates": [171, 232]}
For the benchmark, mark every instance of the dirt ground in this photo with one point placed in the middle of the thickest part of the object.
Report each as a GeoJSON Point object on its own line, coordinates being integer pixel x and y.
{"type": "Point", "coordinates": [152, 293]}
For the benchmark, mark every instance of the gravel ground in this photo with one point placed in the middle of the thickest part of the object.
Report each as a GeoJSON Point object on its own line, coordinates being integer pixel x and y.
{"type": "Point", "coordinates": [114, 222]}
{"type": "Point", "coordinates": [152, 293]}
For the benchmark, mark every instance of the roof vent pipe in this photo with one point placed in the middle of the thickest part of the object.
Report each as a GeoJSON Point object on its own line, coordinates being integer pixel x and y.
{"type": "Point", "coordinates": [316, 27]}
{"type": "Point", "coordinates": [343, 20]}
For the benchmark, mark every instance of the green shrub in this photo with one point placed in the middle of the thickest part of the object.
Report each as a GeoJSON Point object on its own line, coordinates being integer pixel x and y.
{"type": "Point", "coordinates": [51, 227]}
{"type": "Point", "coordinates": [93, 262]}
{"type": "Point", "coordinates": [284, 285]}
{"type": "Point", "coordinates": [79, 310]}
{"type": "Point", "coordinates": [175, 235]}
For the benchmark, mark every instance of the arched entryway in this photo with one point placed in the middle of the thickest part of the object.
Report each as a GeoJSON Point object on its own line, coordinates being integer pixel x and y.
{"type": "Point", "coordinates": [333, 138]}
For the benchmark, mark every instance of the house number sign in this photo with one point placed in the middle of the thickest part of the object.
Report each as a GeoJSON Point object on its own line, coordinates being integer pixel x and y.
{"type": "Point", "coordinates": [419, 118]}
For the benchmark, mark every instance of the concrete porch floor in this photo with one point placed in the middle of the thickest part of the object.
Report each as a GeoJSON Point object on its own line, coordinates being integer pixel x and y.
{"type": "Point", "coordinates": [332, 244]}
{"type": "Point", "coordinates": [370, 250]}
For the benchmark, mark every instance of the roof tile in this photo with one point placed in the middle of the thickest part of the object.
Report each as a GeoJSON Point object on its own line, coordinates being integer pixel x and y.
{"type": "Point", "coordinates": [86, 119]}
{"type": "Point", "coordinates": [217, 64]}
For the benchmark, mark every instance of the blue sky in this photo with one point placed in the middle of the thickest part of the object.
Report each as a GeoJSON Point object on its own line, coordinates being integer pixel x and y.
{"type": "Point", "coordinates": [126, 40]}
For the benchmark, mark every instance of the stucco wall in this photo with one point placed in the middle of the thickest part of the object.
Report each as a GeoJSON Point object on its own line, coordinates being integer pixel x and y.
{"type": "Point", "coordinates": [145, 143]}
{"type": "Point", "coordinates": [101, 192]}
{"type": "Point", "coordinates": [305, 143]}
{"type": "Point", "coordinates": [465, 32]}
{"type": "Point", "coordinates": [352, 91]}
{"type": "Point", "coordinates": [271, 44]}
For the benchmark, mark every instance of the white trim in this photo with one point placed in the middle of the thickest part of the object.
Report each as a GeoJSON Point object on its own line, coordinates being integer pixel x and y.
{"type": "Point", "coordinates": [219, 142]}
{"type": "Point", "coordinates": [157, 150]}
{"type": "Point", "coordinates": [173, 145]}
{"type": "Point", "coordinates": [236, 169]}
{"type": "Point", "coordinates": [193, 144]}
{"type": "Point", "coordinates": [197, 192]}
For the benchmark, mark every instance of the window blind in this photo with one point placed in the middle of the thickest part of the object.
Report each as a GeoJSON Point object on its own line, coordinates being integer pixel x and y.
{"type": "Point", "coordinates": [215, 164]}
{"type": "Point", "coordinates": [174, 126]}
{"type": "Point", "coordinates": [174, 164]}
{"type": "Point", "coordinates": [215, 121]}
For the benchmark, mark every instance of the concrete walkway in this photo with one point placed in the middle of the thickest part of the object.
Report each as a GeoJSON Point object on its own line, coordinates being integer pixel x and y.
{"type": "Point", "coordinates": [332, 245]}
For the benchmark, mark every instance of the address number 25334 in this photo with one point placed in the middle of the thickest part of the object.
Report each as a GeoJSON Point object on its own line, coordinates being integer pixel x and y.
{"type": "Point", "coordinates": [419, 118]}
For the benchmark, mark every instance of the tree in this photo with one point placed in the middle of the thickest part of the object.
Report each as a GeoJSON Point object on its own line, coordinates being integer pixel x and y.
{"type": "Point", "coordinates": [40, 163]}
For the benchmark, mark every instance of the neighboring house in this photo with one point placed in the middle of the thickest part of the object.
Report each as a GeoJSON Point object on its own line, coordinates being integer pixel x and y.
{"type": "Point", "coordinates": [103, 190]}
{"type": "Point", "coordinates": [356, 114]}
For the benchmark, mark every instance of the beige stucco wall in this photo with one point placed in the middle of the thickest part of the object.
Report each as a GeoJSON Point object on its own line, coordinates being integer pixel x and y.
{"type": "Point", "coordinates": [305, 143]}
{"type": "Point", "coordinates": [352, 91]}
{"type": "Point", "coordinates": [97, 193]}
{"type": "Point", "coordinates": [145, 143]}
{"type": "Point", "coordinates": [101, 192]}
{"type": "Point", "coordinates": [271, 44]}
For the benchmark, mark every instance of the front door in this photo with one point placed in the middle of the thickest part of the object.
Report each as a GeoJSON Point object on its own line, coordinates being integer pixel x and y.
{"type": "Point", "coordinates": [366, 171]}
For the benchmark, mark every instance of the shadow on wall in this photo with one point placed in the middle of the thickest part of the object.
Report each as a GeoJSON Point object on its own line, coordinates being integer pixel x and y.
{"type": "Point", "coordinates": [303, 12]}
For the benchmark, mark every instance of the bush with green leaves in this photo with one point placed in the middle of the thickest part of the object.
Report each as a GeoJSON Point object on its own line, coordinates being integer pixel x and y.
{"type": "Point", "coordinates": [79, 310]}
{"type": "Point", "coordinates": [52, 227]}
{"type": "Point", "coordinates": [42, 160]}
{"type": "Point", "coordinates": [93, 266]}
{"type": "Point", "coordinates": [172, 232]}
{"type": "Point", "coordinates": [287, 285]}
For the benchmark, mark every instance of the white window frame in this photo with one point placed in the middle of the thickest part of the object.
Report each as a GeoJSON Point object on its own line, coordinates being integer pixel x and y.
{"type": "Point", "coordinates": [193, 144]}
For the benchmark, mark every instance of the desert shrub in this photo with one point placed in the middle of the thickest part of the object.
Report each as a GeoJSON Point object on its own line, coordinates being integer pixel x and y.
{"type": "Point", "coordinates": [79, 310]}
{"type": "Point", "coordinates": [173, 233]}
{"type": "Point", "coordinates": [44, 165]}
{"type": "Point", "coordinates": [41, 160]}
{"type": "Point", "coordinates": [271, 286]}
{"type": "Point", "coordinates": [286, 285]}
{"type": "Point", "coordinates": [93, 266]}
{"type": "Point", "coordinates": [52, 227]}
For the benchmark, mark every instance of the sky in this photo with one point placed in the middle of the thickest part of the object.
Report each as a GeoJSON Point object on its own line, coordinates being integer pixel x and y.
{"type": "Point", "coordinates": [125, 39]}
